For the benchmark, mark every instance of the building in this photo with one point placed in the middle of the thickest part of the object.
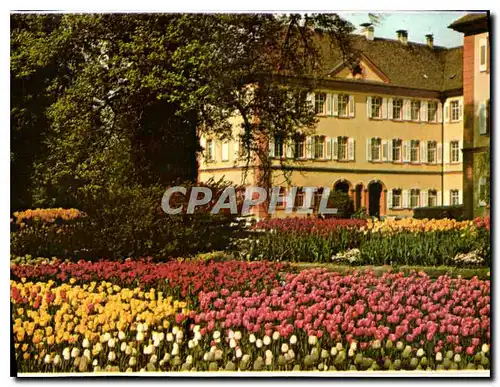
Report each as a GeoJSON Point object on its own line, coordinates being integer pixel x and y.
{"type": "Point", "coordinates": [476, 93]}
{"type": "Point", "coordinates": [391, 135]}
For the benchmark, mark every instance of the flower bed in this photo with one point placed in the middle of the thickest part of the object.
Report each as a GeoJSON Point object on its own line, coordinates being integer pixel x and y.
{"type": "Point", "coordinates": [175, 278]}
{"type": "Point", "coordinates": [313, 320]}
{"type": "Point", "coordinates": [401, 242]}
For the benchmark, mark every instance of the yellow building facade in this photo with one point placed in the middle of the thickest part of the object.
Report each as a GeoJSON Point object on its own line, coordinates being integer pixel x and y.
{"type": "Point", "coordinates": [389, 144]}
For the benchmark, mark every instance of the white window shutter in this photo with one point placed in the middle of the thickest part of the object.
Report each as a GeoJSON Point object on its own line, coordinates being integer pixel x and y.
{"type": "Point", "coordinates": [328, 153]}
{"type": "Point", "coordinates": [439, 156]}
{"type": "Point", "coordinates": [447, 151]}
{"type": "Point", "coordinates": [460, 197]}
{"type": "Point", "coordinates": [335, 104]}
{"type": "Point", "coordinates": [335, 148]}
{"type": "Point", "coordinates": [236, 149]}
{"type": "Point", "coordinates": [309, 150]}
{"type": "Point", "coordinates": [482, 119]}
{"type": "Point", "coordinates": [460, 109]}
{"type": "Point", "coordinates": [384, 108]}
{"type": "Point", "coordinates": [289, 149]}
{"type": "Point", "coordinates": [213, 150]}
{"type": "Point", "coordinates": [351, 148]}
{"type": "Point", "coordinates": [404, 194]}
{"type": "Point", "coordinates": [389, 198]}
{"type": "Point", "coordinates": [440, 112]}
{"type": "Point", "coordinates": [329, 108]}
{"type": "Point", "coordinates": [406, 151]}
{"type": "Point", "coordinates": [203, 144]}
{"type": "Point", "coordinates": [423, 111]}
{"type": "Point", "coordinates": [446, 198]}
{"type": "Point", "coordinates": [460, 151]}
{"type": "Point", "coordinates": [271, 147]}
{"type": "Point", "coordinates": [423, 151]}
{"type": "Point", "coordinates": [369, 107]}
{"type": "Point", "coordinates": [424, 198]}
{"type": "Point", "coordinates": [225, 151]}
{"type": "Point", "coordinates": [483, 43]}
{"type": "Point", "coordinates": [352, 106]}
{"type": "Point", "coordinates": [406, 110]}
{"type": "Point", "coordinates": [439, 201]}
{"type": "Point", "coordinates": [310, 99]}
{"type": "Point", "coordinates": [389, 150]}
{"type": "Point", "coordinates": [384, 150]}
{"type": "Point", "coordinates": [368, 149]}
{"type": "Point", "coordinates": [389, 109]}
{"type": "Point", "coordinates": [446, 112]}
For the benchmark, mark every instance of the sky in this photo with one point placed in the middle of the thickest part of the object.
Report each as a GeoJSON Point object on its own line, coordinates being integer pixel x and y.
{"type": "Point", "coordinates": [418, 24]}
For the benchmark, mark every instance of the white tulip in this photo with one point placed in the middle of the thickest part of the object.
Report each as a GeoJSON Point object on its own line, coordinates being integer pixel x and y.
{"type": "Point", "coordinates": [123, 346]}
{"type": "Point", "coordinates": [312, 340]}
{"type": "Point", "coordinates": [216, 335]}
{"type": "Point", "coordinates": [189, 359]}
{"type": "Point", "coordinates": [439, 356]}
{"type": "Point", "coordinates": [66, 353]}
{"type": "Point", "coordinates": [267, 340]}
{"type": "Point", "coordinates": [121, 335]}
{"type": "Point", "coordinates": [57, 359]}
{"type": "Point", "coordinates": [237, 335]}
{"type": "Point", "coordinates": [239, 353]}
{"type": "Point", "coordinates": [252, 338]}
{"type": "Point", "coordinates": [47, 359]}
{"type": "Point", "coordinates": [284, 347]}
{"type": "Point", "coordinates": [293, 340]}
{"type": "Point", "coordinates": [140, 327]}
{"type": "Point", "coordinates": [420, 352]}
{"type": "Point", "coordinates": [87, 354]}
{"type": "Point", "coordinates": [153, 359]}
{"type": "Point", "coordinates": [276, 335]}
{"type": "Point", "coordinates": [132, 361]}
{"type": "Point", "coordinates": [258, 343]}
{"type": "Point", "coordinates": [85, 343]}
{"type": "Point", "coordinates": [75, 352]}
{"type": "Point", "coordinates": [139, 336]}
{"type": "Point", "coordinates": [232, 343]}
{"type": "Point", "coordinates": [111, 356]}
{"type": "Point", "coordinates": [111, 343]}
{"type": "Point", "coordinates": [170, 337]}
{"type": "Point", "coordinates": [485, 348]}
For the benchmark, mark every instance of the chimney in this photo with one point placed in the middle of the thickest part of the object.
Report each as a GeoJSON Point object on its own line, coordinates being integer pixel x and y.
{"type": "Point", "coordinates": [430, 40]}
{"type": "Point", "coordinates": [368, 30]}
{"type": "Point", "coordinates": [402, 36]}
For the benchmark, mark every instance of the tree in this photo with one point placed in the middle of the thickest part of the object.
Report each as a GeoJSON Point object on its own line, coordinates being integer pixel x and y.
{"type": "Point", "coordinates": [124, 97]}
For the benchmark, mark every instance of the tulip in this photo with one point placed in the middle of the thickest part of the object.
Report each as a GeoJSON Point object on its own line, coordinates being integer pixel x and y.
{"type": "Point", "coordinates": [111, 356]}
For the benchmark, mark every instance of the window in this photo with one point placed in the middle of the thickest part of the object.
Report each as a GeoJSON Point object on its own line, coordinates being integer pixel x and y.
{"type": "Point", "coordinates": [299, 197]}
{"type": "Point", "coordinates": [415, 151]}
{"type": "Point", "coordinates": [396, 198]}
{"type": "Point", "coordinates": [397, 109]}
{"type": "Point", "coordinates": [210, 150]}
{"type": "Point", "coordinates": [414, 198]}
{"type": "Point", "coordinates": [317, 198]}
{"type": "Point", "coordinates": [415, 110]}
{"type": "Point", "coordinates": [455, 151]}
{"type": "Point", "coordinates": [455, 198]}
{"type": "Point", "coordinates": [431, 151]}
{"type": "Point", "coordinates": [375, 145]}
{"type": "Point", "coordinates": [343, 105]}
{"type": "Point", "coordinates": [343, 151]}
{"type": "Point", "coordinates": [278, 146]}
{"type": "Point", "coordinates": [432, 198]}
{"type": "Point", "coordinates": [376, 107]}
{"type": "Point", "coordinates": [300, 148]}
{"type": "Point", "coordinates": [319, 147]}
{"type": "Point", "coordinates": [319, 103]}
{"type": "Point", "coordinates": [455, 110]}
{"type": "Point", "coordinates": [396, 149]}
{"type": "Point", "coordinates": [432, 111]}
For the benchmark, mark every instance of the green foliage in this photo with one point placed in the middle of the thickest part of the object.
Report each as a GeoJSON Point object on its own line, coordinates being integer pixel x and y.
{"type": "Point", "coordinates": [128, 222]}
{"type": "Point", "coordinates": [441, 212]}
{"type": "Point", "coordinates": [342, 202]}
{"type": "Point", "coordinates": [117, 99]}
{"type": "Point", "coordinates": [433, 248]}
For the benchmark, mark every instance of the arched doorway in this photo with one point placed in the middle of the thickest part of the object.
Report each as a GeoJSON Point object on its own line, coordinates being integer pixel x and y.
{"type": "Point", "coordinates": [375, 189]}
{"type": "Point", "coordinates": [358, 202]}
{"type": "Point", "coordinates": [342, 186]}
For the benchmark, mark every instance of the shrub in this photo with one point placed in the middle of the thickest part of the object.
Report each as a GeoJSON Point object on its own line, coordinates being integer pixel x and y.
{"type": "Point", "coordinates": [342, 202]}
{"type": "Point", "coordinates": [129, 222]}
{"type": "Point", "coordinates": [441, 212]}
